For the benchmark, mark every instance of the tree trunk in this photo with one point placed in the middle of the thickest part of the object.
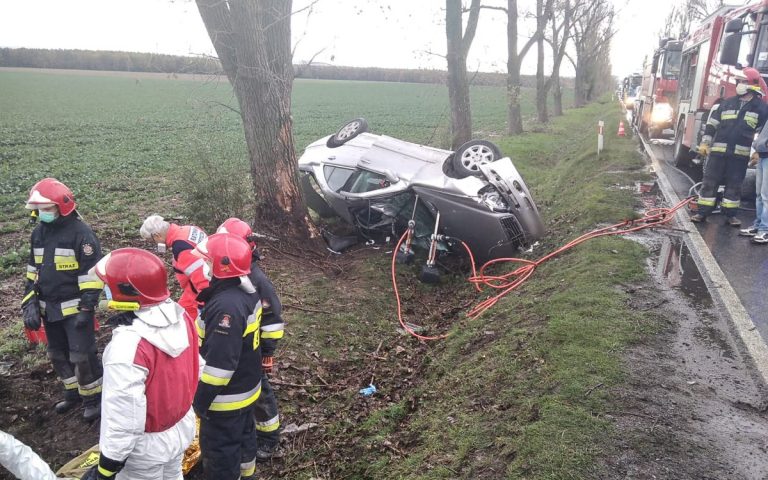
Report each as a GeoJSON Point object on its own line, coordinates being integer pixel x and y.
{"type": "Point", "coordinates": [252, 39]}
{"type": "Point", "coordinates": [458, 84]}
{"type": "Point", "coordinates": [557, 95]}
{"type": "Point", "coordinates": [514, 116]}
{"type": "Point", "coordinates": [541, 89]}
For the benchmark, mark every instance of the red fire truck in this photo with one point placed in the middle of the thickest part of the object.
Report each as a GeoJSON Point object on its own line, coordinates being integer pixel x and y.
{"type": "Point", "coordinates": [713, 57]}
{"type": "Point", "coordinates": [654, 111]}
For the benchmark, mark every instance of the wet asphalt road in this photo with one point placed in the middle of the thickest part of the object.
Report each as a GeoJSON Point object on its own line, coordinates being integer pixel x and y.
{"type": "Point", "coordinates": [745, 264]}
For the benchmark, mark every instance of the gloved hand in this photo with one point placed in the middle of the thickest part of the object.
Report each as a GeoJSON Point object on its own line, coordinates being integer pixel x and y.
{"type": "Point", "coordinates": [267, 364]}
{"type": "Point", "coordinates": [93, 474]}
{"type": "Point", "coordinates": [754, 159]}
{"type": "Point", "coordinates": [32, 319]}
{"type": "Point", "coordinates": [84, 318]}
{"type": "Point", "coordinates": [704, 149]}
{"type": "Point", "coordinates": [106, 464]}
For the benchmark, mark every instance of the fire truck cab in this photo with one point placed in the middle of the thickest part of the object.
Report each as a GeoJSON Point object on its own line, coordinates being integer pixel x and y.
{"type": "Point", "coordinates": [655, 111]}
{"type": "Point", "coordinates": [713, 59]}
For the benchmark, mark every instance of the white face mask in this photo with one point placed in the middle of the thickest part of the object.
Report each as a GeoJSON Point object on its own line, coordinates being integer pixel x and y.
{"type": "Point", "coordinates": [741, 89]}
{"type": "Point", "coordinates": [160, 248]}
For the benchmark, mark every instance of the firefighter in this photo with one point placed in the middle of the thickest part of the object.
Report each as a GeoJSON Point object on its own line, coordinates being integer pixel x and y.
{"type": "Point", "coordinates": [150, 372]}
{"type": "Point", "coordinates": [188, 267]}
{"type": "Point", "coordinates": [62, 293]}
{"type": "Point", "coordinates": [230, 383]}
{"type": "Point", "coordinates": [727, 141]}
{"type": "Point", "coordinates": [266, 413]}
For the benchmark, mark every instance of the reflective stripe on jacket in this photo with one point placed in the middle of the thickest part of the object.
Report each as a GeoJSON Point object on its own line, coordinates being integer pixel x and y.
{"type": "Point", "coordinates": [272, 325]}
{"type": "Point", "coordinates": [61, 254]}
{"type": "Point", "coordinates": [229, 328]}
{"type": "Point", "coordinates": [188, 267]}
{"type": "Point", "coordinates": [732, 126]}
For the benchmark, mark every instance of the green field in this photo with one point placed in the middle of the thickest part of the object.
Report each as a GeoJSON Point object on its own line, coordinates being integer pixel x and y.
{"type": "Point", "coordinates": [122, 143]}
{"type": "Point", "coordinates": [502, 397]}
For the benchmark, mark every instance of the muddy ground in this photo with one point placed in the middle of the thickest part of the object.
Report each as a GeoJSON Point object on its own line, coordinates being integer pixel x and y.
{"type": "Point", "coordinates": [690, 408]}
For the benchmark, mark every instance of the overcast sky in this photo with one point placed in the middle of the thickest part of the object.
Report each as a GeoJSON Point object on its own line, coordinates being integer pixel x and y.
{"type": "Point", "coordinates": [385, 33]}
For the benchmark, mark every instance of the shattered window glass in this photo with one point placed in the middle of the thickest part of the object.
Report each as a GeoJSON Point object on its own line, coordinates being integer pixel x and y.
{"type": "Point", "coordinates": [336, 177]}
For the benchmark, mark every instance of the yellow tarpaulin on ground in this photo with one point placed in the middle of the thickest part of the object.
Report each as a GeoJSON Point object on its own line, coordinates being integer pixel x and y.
{"type": "Point", "coordinates": [77, 467]}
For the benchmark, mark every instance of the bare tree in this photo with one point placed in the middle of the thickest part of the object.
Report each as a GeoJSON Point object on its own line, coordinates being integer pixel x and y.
{"type": "Point", "coordinates": [543, 14]}
{"type": "Point", "coordinates": [514, 60]}
{"type": "Point", "coordinates": [592, 31]}
{"type": "Point", "coordinates": [561, 30]}
{"type": "Point", "coordinates": [682, 16]}
{"type": "Point", "coordinates": [459, 42]}
{"type": "Point", "coordinates": [253, 41]}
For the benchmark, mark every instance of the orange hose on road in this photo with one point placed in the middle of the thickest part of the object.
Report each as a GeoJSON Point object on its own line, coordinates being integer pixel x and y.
{"type": "Point", "coordinates": [511, 280]}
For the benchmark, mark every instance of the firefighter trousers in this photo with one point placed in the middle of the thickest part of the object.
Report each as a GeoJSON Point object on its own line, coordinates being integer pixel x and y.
{"type": "Point", "coordinates": [225, 442]}
{"type": "Point", "coordinates": [728, 170]}
{"type": "Point", "coordinates": [266, 416]}
{"type": "Point", "coordinates": [72, 352]}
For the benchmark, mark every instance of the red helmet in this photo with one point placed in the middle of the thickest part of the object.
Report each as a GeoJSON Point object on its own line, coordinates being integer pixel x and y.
{"type": "Point", "coordinates": [135, 278]}
{"type": "Point", "coordinates": [238, 227]}
{"type": "Point", "coordinates": [229, 255]}
{"type": "Point", "coordinates": [50, 191]}
{"type": "Point", "coordinates": [755, 82]}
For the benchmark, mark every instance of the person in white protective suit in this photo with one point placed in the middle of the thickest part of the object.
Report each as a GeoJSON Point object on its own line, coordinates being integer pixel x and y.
{"type": "Point", "coordinates": [150, 373]}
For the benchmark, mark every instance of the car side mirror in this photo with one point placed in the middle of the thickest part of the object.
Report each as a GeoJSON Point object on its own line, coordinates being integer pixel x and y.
{"type": "Point", "coordinates": [730, 53]}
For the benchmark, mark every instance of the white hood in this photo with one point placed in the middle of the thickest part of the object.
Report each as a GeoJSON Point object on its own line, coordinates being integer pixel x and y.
{"type": "Point", "coordinates": [163, 326]}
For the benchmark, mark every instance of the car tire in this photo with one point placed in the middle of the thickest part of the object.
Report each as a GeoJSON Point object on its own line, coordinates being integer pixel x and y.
{"type": "Point", "coordinates": [346, 133]}
{"type": "Point", "coordinates": [469, 155]}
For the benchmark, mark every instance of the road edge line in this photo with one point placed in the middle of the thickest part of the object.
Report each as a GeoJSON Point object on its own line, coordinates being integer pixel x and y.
{"type": "Point", "coordinates": [717, 283]}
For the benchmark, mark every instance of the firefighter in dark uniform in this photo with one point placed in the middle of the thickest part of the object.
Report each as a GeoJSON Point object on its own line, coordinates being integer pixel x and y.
{"type": "Point", "coordinates": [266, 413]}
{"type": "Point", "coordinates": [230, 383]}
{"type": "Point", "coordinates": [62, 293]}
{"type": "Point", "coordinates": [727, 140]}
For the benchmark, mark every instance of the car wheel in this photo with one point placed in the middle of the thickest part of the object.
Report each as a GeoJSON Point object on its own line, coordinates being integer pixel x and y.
{"type": "Point", "coordinates": [471, 155]}
{"type": "Point", "coordinates": [347, 133]}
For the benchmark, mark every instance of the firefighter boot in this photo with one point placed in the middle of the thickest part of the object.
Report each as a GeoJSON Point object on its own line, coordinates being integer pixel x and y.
{"type": "Point", "coordinates": [92, 405]}
{"type": "Point", "coordinates": [266, 452]}
{"type": "Point", "coordinates": [71, 400]}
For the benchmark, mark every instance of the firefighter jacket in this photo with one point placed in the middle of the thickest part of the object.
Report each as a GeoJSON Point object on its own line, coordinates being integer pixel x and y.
{"type": "Point", "coordinates": [150, 377]}
{"type": "Point", "coordinates": [61, 254]}
{"type": "Point", "coordinates": [229, 331]}
{"type": "Point", "coordinates": [182, 240]}
{"type": "Point", "coordinates": [732, 126]}
{"type": "Point", "coordinates": [272, 325]}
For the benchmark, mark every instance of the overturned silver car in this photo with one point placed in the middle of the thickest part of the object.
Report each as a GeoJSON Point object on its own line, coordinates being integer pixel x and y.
{"type": "Point", "coordinates": [379, 183]}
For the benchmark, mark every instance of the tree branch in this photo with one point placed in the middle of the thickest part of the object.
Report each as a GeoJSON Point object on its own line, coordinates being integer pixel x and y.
{"type": "Point", "coordinates": [217, 19]}
{"type": "Point", "coordinates": [469, 34]}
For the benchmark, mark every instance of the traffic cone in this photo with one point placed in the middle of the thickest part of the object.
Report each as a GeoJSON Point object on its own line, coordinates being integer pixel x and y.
{"type": "Point", "coordinates": [621, 133]}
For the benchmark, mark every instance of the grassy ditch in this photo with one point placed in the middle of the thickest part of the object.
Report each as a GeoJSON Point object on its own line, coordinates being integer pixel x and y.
{"type": "Point", "coordinates": [520, 392]}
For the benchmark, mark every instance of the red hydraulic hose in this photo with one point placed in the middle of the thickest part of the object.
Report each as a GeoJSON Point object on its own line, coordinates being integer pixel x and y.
{"type": "Point", "coordinates": [511, 280]}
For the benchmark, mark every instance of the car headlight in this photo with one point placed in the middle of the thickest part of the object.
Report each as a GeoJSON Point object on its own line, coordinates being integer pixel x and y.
{"type": "Point", "coordinates": [662, 112]}
{"type": "Point", "coordinates": [491, 198]}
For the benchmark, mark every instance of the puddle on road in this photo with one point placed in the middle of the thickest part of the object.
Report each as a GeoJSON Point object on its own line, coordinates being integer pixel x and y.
{"type": "Point", "coordinates": [677, 269]}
